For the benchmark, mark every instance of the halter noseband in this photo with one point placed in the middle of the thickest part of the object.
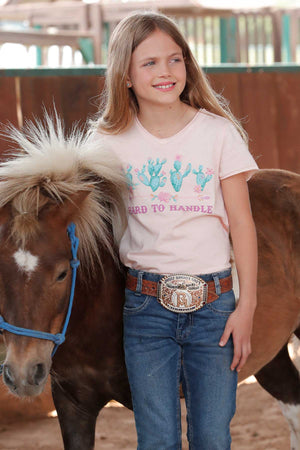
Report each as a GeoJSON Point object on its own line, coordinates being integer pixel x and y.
{"type": "Point", "coordinates": [58, 338]}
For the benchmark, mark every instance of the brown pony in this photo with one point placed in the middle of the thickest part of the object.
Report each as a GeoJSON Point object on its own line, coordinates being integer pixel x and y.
{"type": "Point", "coordinates": [49, 182]}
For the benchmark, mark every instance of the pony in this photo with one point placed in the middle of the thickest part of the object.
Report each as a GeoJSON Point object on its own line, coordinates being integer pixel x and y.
{"type": "Point", "coordinates": [53, 179]}
{"type": "Point", "coordinates": [49, 181]}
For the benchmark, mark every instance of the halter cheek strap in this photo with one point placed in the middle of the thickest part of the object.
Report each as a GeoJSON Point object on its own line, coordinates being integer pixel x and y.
{"type": "Point", "coordinates": [58, 338]}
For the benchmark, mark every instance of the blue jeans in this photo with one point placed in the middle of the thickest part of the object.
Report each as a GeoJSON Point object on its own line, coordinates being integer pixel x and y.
{"type": "Point", "coordinates": [164, 348]}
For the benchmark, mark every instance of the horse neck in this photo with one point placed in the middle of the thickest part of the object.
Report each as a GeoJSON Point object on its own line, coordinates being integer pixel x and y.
{"type": "Point", "coordinates": [104, 291]}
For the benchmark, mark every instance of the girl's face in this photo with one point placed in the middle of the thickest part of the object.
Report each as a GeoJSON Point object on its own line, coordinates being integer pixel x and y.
{"type": "Point", "coordinates": [157, 71]}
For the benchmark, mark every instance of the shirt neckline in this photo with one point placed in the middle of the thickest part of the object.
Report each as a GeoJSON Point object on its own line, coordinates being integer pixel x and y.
{"type": "Point", "coordinates": [151, 136]}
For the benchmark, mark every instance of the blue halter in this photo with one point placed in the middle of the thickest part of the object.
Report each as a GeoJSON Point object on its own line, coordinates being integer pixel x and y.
{"type": "Point", "coordinates": [58, 338]}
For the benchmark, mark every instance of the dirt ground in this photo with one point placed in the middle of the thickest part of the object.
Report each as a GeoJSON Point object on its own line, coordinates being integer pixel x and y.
{"type": "Point", "coordinates": [258, 424]}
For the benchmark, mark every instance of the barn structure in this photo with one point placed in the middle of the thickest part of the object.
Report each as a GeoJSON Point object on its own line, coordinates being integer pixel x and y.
{"type": "Point", "coordinates": [229, 31]}
{"type": "Point", "coordinates": [251, 55]}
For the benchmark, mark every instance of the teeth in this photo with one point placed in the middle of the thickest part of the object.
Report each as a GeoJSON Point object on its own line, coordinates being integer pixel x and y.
{"type": "Point", "coordinates": [166, 86]}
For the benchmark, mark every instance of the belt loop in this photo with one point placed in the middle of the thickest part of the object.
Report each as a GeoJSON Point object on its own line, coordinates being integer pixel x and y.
{"type": "Point", "coordinates": [138, 290]}
{"type": "Point", "coordinates": [217, 284]}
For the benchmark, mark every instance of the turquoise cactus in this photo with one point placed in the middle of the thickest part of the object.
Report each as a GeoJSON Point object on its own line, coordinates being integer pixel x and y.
{"type": "Point", "coordinates": [129, 177]}
{"type": "Point", "coordinates": [201, 178]}
{"type": "Point", "coordinates": [155, 180]}
{"type": "Point", "coordinates": [177, 177]}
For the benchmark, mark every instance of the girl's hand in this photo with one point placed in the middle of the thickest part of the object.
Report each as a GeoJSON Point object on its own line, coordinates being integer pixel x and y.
{"type": "Point", "coordinates": [239, 324]}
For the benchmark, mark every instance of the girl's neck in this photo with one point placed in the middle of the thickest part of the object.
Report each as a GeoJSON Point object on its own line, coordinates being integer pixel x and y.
{"type": "Point", "coordinates": [165, 122]}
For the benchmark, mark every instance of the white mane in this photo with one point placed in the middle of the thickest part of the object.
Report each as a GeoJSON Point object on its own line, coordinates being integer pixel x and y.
{"type": "Point", "coordinates": [48, 164]}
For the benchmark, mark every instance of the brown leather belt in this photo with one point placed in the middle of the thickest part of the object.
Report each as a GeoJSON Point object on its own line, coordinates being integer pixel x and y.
{"type": "Point", "coordinates": [153, 288]}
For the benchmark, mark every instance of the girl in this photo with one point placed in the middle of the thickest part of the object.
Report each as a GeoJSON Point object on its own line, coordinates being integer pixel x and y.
{"type": "Point", "coordinates": [187, 163]}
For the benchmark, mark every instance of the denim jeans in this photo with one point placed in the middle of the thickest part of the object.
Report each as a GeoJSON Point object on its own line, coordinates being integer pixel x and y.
{"type": "Point", "coordinates": [164, 348]}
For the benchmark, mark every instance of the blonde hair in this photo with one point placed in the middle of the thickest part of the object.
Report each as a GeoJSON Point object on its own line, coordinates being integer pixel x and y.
{"type": "Point", "coordinates": [119, 104]}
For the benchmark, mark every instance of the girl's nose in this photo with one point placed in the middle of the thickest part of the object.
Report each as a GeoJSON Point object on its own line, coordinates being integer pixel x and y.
{"type": "Point", "coordinates": [164, 69]}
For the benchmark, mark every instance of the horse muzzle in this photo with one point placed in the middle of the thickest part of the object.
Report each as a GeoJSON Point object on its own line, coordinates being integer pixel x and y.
{"type": "Point", "coordinates": [30, 384]}
{"type": "Point", "coordinates": [25, 373]}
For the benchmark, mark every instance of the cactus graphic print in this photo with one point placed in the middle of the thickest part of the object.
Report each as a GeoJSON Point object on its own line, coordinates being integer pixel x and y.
{"type": "Point", "coordinates": [177, 220]}
{"type": "Point", "coordinates": [153, 176]}
{"type": "Point", "coordinates": [176, 176]}
{"type": "Point", "coordinates": [167, 179]}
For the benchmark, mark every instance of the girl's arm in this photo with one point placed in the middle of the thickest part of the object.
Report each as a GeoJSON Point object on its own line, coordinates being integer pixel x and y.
{"type": "Point", "coordinates": [243, 234]}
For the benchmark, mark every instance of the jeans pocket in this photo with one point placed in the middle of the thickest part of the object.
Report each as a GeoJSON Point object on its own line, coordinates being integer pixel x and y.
{"type": "Point", "coordinates": [135, 303]}
{"type": "Point", "coordinates": [224, 305]}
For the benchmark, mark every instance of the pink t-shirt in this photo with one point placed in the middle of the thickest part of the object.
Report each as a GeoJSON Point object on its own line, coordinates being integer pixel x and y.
{"type": "Point", "coordinates": [177, 221]}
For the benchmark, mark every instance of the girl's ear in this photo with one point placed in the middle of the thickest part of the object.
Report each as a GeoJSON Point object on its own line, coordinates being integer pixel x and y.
{"type": "Point", "coordinates": [128, 83]}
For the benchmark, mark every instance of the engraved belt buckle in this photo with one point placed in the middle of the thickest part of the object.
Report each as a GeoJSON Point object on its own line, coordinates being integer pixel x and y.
{"type": "Point", "coordinates": [182, 293]}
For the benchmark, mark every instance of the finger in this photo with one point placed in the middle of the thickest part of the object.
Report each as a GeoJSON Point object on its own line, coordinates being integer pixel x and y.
{"type": "Point", "coordinates": [225, 336]}
{"type": "Point", "coordinates": [237, 345]}
{"type": "Point", "coordinates": [244, 357]}
{"type": "Point", "coordinates": [236, 359]}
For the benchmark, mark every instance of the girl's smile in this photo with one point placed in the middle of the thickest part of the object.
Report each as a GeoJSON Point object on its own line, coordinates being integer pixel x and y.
{"type": "Point", "coordinates": [165, 86]}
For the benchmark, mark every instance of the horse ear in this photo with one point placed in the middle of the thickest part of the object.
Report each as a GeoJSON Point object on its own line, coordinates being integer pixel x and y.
{"type": "Point", "coordinates": [64, 213]}
{"type": "Point", "coordinates": [5, 213]}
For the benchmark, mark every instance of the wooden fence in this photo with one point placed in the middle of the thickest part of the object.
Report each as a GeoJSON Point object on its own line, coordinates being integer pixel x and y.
{"type": "Point", "coordinates": [258, 36]}
{"type": "Point", "coordinates": [267, 99]}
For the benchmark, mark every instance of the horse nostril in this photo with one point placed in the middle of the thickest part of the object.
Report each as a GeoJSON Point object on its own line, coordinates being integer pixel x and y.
{"type": "Point", "coordinates": [8, 376]}
{"type": "Point", "coordinates": [39, 373]}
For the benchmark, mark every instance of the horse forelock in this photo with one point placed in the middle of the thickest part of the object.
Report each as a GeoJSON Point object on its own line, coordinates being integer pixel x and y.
{"type": "Point", "coordinates": [51, 168]}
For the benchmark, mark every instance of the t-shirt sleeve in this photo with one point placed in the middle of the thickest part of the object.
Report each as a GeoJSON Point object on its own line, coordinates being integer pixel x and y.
{"type": "Point", "coordinates": [235, 156]}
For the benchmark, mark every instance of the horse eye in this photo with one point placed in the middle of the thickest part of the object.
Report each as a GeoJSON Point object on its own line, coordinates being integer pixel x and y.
{"type": "Point", "coordinates": [62, 276]}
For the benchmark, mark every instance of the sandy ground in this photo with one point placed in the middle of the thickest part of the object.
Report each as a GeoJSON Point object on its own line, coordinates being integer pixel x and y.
{"type": "Point", "coordinates": [258, 424]}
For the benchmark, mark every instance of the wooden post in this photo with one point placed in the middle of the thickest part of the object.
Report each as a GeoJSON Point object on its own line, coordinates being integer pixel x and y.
{"type": "Point", "coordinates": [87, 49]}
{"type": "Point", "coordinates": [238, 39]}
{"type": "Point", "coordinates": [264, 39]}
{"type": "Point", "coordinates": [96, 26]}
{"type": "Point", "coordinates": [256, 40]}
{"type": "Point", "coordinates": [203, 34]}
{"type": "Point", "coordinates": [228, 39]}
{"type": "Point", "coordinates": [195, 37]}
{"type": "Point", "coordinates": [86, 45]}
{"type": "Point", "coordinates": [277, 33]}
{"type": "Point", "coordinates": [215, 39]}
{"type": "Point", "coordinates": [286, 37]}
{"type": "Point", "coordinates": [295, 15]}
{"type": "Point", "coordinates": [38, 49]}
{"type": "Point", "coordinates": [247, 40]}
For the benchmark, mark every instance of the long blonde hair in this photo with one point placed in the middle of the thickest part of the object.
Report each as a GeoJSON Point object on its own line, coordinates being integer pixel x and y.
{"type": "Point", "coordinates": [119, 104]}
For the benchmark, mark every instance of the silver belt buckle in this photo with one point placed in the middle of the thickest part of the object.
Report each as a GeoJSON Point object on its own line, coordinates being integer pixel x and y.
{"type": "Point", "coordinates": [182, 293]}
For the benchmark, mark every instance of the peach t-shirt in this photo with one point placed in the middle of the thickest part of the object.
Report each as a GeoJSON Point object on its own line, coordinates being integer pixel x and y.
{"type": "Point", "coordinates": [177, 220]}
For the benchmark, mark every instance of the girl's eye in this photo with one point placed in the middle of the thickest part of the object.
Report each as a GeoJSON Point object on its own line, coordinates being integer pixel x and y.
{"type": "Point", "coordinates": [173, 60]}
{"type": "Point", "coordinates": [149, 63]}
{"type": "Point", "coordinates": [62, 276]}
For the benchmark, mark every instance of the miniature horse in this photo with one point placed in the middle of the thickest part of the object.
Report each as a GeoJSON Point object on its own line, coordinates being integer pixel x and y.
{"type": "Point", "coordinates": [51, 182]}
{"type": "Point", "coordinates": [54, 180]}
